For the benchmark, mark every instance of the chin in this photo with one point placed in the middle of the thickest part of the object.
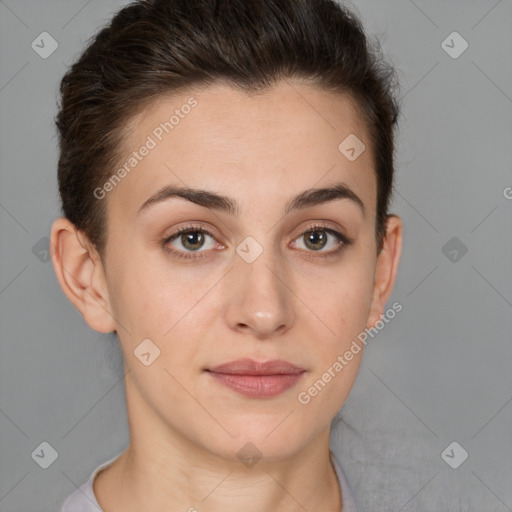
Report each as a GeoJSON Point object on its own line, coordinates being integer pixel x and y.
{"type": "Point", "coordinates": [260, 441]}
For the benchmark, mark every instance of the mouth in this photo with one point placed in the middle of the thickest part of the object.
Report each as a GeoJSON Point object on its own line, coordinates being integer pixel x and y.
{"type": "Point", "coordinates": [257, 380]}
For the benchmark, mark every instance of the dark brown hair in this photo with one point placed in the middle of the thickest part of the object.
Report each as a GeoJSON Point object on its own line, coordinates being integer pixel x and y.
{"type": "Point", "coordinates": [156, 47]}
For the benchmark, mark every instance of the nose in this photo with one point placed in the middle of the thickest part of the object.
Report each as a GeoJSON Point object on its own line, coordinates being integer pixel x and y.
{"type": "Point", "coordinates": [261, 297]}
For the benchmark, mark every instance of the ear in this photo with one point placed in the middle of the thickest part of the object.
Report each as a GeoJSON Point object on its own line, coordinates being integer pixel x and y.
{"type": "Point", "coordinates": [81, 274]}
{"type": "Point", "coordinates": [386, 268]}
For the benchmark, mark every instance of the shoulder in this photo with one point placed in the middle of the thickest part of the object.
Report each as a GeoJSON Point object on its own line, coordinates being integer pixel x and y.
{"type": "Point", "coordinates": [83, 498]}
{"type": "Point", "coordinates": [349, 504]}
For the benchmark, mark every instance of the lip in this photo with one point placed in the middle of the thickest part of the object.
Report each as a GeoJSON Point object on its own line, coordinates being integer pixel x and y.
{"type": "Point", "coordinates": [257, 379]}
{"type": "Point", "coordinates": [252, 367]}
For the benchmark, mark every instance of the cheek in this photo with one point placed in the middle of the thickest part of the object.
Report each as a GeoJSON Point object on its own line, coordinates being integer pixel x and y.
{"type": "Point", "coordinates": [151, 307]}
{"type": "Point", "coordinates": [137, 299]}
{"type": "Point", "coordinates": [341, 296]}
{"type": "Point", "coordinates": [343, 304]}
{"type": "Point", "coordinates": [354, 299]}
{"type": "Point", "coordinates": [171, 308]}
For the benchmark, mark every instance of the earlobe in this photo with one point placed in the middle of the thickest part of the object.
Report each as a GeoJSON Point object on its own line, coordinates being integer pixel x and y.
{"type": "Point", "coordinates": [386, 268]}
{"type": "Point", "coordinates": [81, 275]}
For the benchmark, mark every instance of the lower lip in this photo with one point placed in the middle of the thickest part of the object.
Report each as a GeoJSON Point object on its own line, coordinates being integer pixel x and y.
{"type": "Point", "coordinates": [258, 386]}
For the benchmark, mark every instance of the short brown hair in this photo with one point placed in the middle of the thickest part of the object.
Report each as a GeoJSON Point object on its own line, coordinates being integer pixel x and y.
{"type": "Point", "coordinates": [155, 47]}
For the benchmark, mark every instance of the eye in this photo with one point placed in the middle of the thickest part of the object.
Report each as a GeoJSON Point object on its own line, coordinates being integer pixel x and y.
{"type": "Point", "coordinates": [192, 241]}
{"type": "Point", "coordinates": [189, 239]}
{"type": "Point", "coordinates": [319, 237]}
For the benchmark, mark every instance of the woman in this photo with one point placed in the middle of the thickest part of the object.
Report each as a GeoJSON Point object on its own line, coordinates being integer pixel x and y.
{"type": "Point", "coordinates": [225, 173]}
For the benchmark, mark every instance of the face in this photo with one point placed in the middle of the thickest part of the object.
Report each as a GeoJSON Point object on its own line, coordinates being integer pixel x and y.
{"type": "Point", "coordinates": [269, 270]}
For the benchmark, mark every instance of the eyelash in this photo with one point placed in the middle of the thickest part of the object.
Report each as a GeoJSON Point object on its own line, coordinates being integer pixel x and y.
{"type": "Point", "coordinates": [342, 239]}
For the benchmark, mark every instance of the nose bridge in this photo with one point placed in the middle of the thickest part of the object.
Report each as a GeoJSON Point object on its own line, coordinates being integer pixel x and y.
{"type": "Point", "coordinates": [260, 299]}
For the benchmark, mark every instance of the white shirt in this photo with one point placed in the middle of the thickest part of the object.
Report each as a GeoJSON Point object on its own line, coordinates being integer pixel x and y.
{"type": "Point", "coordinates": [84, 500]}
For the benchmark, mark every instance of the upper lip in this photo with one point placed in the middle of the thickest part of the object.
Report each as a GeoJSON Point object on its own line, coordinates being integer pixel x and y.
{"type": "Point", "coordinates": [251, 367]}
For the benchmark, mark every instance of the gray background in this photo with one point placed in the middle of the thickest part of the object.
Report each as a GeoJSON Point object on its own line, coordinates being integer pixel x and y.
{"type": "Point", "coordinates": [439, 372]}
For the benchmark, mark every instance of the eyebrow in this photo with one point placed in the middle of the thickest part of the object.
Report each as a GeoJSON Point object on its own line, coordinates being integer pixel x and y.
{"type": "Point", "coordinates": [306, 199]}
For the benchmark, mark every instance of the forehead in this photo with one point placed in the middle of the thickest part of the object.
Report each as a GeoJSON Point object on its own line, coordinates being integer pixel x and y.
{"type": "Point", "coordinates": [250, 146]}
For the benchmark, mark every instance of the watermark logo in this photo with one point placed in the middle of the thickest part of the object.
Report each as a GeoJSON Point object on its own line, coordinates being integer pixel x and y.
{"type": "Point", "coordinates": [146, 352]}
{"type": "Point", "coordinates": [454, 249]}
{"type": "Point", "coordinates": [45, 455]}
{"type": "Point", "coordinates": [249, 249]}
{"type": "Point", "coordinates": [454, 455]}
{"type": "Point", "coordinates": [352, 147]}
{"type": "Point", "coordinates": [454, 45]}
{"type": "Point", "coordinates": [44, 45]}
{"type": "Point", "coordinates": [249, 454]}
{"type": "Point", "coordinates": [41, 250]}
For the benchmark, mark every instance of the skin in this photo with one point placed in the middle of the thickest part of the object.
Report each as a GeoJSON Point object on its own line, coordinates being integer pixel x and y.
{"type": "Point", "coordinates": [291, 303]}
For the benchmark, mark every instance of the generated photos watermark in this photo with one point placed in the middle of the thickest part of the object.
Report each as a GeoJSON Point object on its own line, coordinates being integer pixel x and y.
{"type": "Point", "coordinates": [157, 135]}
{"type": "Point", "coordinates": [304, 397]}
